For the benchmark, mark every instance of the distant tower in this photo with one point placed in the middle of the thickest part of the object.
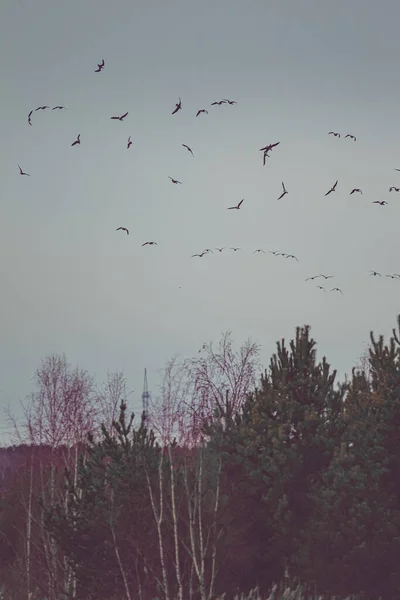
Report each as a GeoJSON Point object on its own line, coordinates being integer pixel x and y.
{"type": "Point", "coordinates": [145, 397]}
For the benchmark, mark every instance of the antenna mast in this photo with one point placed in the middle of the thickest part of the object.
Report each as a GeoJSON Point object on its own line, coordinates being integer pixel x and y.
{"type": "Point", "coordinates": [145, 397]}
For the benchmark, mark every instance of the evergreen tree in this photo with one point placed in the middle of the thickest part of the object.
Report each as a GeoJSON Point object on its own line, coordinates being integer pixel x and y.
{"type": "Point", "coordinates": [110, 497]}
{"type": "Point", "coordinates": [353, 540]}
{"type": "Point", "coordinates": [279, 447]}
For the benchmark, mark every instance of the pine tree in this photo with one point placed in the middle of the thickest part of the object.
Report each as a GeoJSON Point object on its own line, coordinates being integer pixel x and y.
{"type": "Point", "coordinates": [278, 447]}
{"type": "Point", "coordinates": [356, 528]}
{"type": "Point", "coordinates": [111, 489]}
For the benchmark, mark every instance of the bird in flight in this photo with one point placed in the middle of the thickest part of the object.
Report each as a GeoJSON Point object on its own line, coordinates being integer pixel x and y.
{"type": "Point", "coordinates": [208, 250]}
{"type": "Point", "coordinates": [123, 229]}
{"type": "Point", "coordinates": [269, 147]}
{"type": "Point", "coordinates": [174, 180]}
{"type": "Point", "coordinates": [189, 149]}
{"type": "Point", "coordinates": [21, 172]}
{"type": "Point", "coordinates": [229, 101]}
{"type": "Point", "coordinates": [59, 108]}
{"type": "Point", "coordinates": [394, 188]}
{"type": "Point", "coordinates": [121, 118]}
{"type": "Point", "coordinates": [284, 191]}
{"type": "Point", "coordinates": [397, 169]}
{"type": "Point", "coordinates": [202, 110]}
{"type": "Point", "coordinates": [372, 272]}
{"type": "Point", "coordinates": [326, 276]}
{"type": "Point", "coordinates": [178, 106]}
{"type": "Point", "coordinates": [41, 108]}
{"type": "Point", "coordinates": [333, 188]}
{"type": "Point", "coordinates": [352, 137]}
{"type": "Point", "coordinates": [149, 244]}
{"type": "Point", "coordinates": [334, 133]}
{"type": "Point", "coordinates": [291, 256]}
{"type": "Point", "coordinates": [77, 141]}
{"type": "Point", "coordinates": [29, 117]}
{"type": "Point", "coordinates": [259, 250]}
{"type": "Point", "coordinates": [381, 202]}
{"type": "Point", "coordinates": [394, 276]}
{"type": "Point", "coordinates": [313, 277]}
{"type": "Point", "coordinates": [129, 142]}
{"type": "Point", "coordinates": [220, 249]}
{"type": "Point", "coordinates": [235, 249]}
{"type": "Point", "coordinates": [336, 290]}
{"type": "Point", "coordinates": [237, 206]}
{"type": "Point", "coordinates": [275, 252]}
{"type": "Point", "coordinates": [200, 255]}
{"type": "Point", "coordinates": [219, 103]}
{"type": "Point", "coordinates": [100, 67]}
{"type": "Point", "coordinates": [355, 190]}
{"type": "Point", "coordinates": [321, 287]}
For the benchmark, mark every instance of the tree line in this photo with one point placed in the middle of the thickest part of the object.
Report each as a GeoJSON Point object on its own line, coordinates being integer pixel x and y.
{"type": "Point", "coordinates": [236, 478]}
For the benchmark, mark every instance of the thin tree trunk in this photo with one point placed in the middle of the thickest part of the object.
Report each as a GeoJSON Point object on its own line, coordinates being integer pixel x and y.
{"type": "Point", "coordinates": [117, 554]}
{"type": "Point", "coordinates": [175, 525]}
{"type": "Point", "coordinates": [159, 518]}
{"type": "Point", "coordinates": [29, 532]}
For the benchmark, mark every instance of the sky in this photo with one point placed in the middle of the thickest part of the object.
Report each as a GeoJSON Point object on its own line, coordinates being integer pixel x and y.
{"type": "Point", "coordinates": [71, 283]}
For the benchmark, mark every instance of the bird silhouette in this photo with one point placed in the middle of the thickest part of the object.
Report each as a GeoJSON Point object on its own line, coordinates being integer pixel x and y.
{"type": "Point", "coordinates": [129, 143]}
{"type": "Point", "coordinates": [333, 189]}
{"type": "Point", "coordinates": [291, 256]}
{"type": "Point", "coordinates": [41, 108]}
{"type": "Point", "coordinates": [100, 67]}
{"type": "Point", "coordinates": [352, 137]}
{"type": "Point", "coordinates": [123, 229]}
{"type": "Point", "coordinates": [219, 103]}
{"type": "Point", "coordinates": [394, 276]}
{"type": "Point", "coordinates": [336, 290]}
{"type": "Point", "coordinates": [29, 117]}
{"type": "Point", "coordinates": [259, 250]}
{"type": "Point", "coordinates": [326, 276]}
{"type": "Point", "coordinates": [229, 101]}
{"type": "Point", "coordinates": [59, 108]}
{"type": "Point", "coordinates": [355, 190]}
{"type": "Point", "coordinates": [202, 110]}
{"type": "Point", "coordinates": [208, 250]}
{"type": "Point", "coordinates": [121, 118]}
{"type": "Point", "coordinates": [77, 141]}
{"type": "Point", "coordinates": [237, 206]}
{"type": "Point", "coordinates": [396, 189]}
{"type": "Point", "coordinates": [178, 106]}
{"type": "Point", "coordinates": [199, 255]}
{"type": "Point", "coordinates": [372, 272]}
{"type": "Point", "coordinates": [235, 249]}
{"type": "Point", "coordinates": [313, 277]}
{"type": "Point", "coordinates": [381, 202]}
{"type": "Point", "coordinates": [334, 133]}
{"type": "Point", "coordinates": [174, 180]}
{"type": "Point", "coordinates": [284, 191]}
{"type": "Point", "coordinates": [220, 249]}
{"type": "Point", "coordinates": [321, 287]}
{"type": "Point", "coordinates": [269, 147]}
{"type": "Point", "coordinates": [150, 244]}
{"type": "Point", "coordinates": [189, 149]}
{"type": "Point", "coordinates": [21, 172]}
{"type": "Point", "coordinates": [275, 252]}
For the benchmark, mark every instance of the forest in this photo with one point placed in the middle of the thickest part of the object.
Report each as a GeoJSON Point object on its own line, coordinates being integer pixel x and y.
{"type": "Point", "coordinates": [240, 481]}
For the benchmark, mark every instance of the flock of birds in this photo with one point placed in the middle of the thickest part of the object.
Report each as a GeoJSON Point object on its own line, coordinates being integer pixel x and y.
{"type": "Point", "coordinates": [266, 154]}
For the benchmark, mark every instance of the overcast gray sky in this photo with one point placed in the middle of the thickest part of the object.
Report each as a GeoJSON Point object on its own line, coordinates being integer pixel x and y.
{"type": "Point", "coordinates": [297, 69]}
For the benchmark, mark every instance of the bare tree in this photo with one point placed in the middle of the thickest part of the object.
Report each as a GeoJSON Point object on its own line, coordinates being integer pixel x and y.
{"type": "Point", "coordinates": [59, 415]}
{"type": "Point", "coordinates": [109, 399]}
{"type": "Point", "coordinates": [193, 389]}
